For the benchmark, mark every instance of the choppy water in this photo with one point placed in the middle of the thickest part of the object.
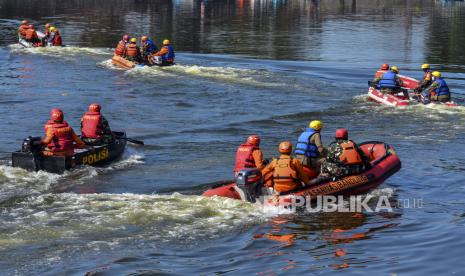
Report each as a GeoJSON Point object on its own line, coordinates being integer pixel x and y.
{"type": "Point", "coordinates": [265, 67]}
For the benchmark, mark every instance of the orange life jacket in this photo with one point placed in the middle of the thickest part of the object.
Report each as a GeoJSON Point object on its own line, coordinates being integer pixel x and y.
{"type": "Point", "coordinates": [31, 34]}
{"type": "Point", "coordinates": [132, 50]}
{"type": "Point", "coordinates": [120, 48]}
{"type": "Point", "coordinates": [22, 29]}
{"type": "Point", "coordinates": [380, 73]}
{"type": "Point", "coordinates": [284, 176]}
{"type": "Point", "coordinates": [91, 124]}
{"type": "Point", "coordinates": [62, 137]}
{"type": "Point", "coordinates": [244, 157]}
{"type": "Point", "coordinates": [350, 155]}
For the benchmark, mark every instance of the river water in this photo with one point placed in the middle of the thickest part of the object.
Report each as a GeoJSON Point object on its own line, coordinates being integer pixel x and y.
{"type": "Point", "coordinates": [244, 66]}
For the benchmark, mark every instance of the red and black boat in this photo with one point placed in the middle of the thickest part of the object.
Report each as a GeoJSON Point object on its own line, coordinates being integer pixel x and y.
{"type": "Point", "coordinates": [384, 162]}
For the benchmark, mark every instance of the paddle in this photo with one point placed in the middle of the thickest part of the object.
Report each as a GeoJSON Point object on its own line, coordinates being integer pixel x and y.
{"type": "Point", "coordinates": [134, 141]}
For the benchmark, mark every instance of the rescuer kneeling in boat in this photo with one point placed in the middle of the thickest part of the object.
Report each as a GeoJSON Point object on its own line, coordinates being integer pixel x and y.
{"type": "Point", "coordinates": [95, 128]}
{"type": "Point", "coordinates": [309, 149]}
{"type": "Point", "coordinates": [249, 155]}
{"type": "Point", "coordinates": [60, 137]}
{"type": "Point", "coordinates": [120, 49]}
{"type": "Point", "coordinates": [55, 38]}
{"type": "Point", "coordinates": [31, 35]}
{"type": "Point", "coordinates": [438, 91]}
{"type": "Point", "coordinates": [148, 48]}
{"type": "Point", "coordinates": [133, 51]}
{"type": "Point", "coordinates": [285, 173]}
{"type": "Point", "coordinates": [23, 28]}
{"type": "Point", "coordinates": [384, 68]}
{"type": "Point", "coordinates": [390, 83]}
{"type": "Point", "coordinates": [166, 53]}
{"type": "Point", "coordinates": [344, 157]}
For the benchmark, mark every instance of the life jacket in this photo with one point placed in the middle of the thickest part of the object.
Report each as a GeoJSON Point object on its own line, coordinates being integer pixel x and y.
{"type": "Point", "coordinates": [427, 76]}
{"type": "Point", "coordinates": [284, 176]}
{"type": "Point", "coordinates": [120, 48]}
{"type": "Point", "coordinates": [48, 124]}
{"type": "Point", "coordinates": [350, 155]}
{"type": "Point", "coordinates": [244, 157]}
{"type": "Point", "coordinates": [132, 50]}
{"type": "Point", "coordinates": [31, 34]}
{"type": "Point", "coordinates": [149, 47]}
{"type": "Point", "coordinates": [388, 80]}
{"type": "Point", "coordinates": [92, 125]}
{"type": "Point", "coordinates": [379, 73]}
{"type": "Point", "coordinates": [169, 57]}
{"type": "Point", "coordinates": [62, 137]}
{"type": "Point", "coordinates": [47, 33]}
{"type": "Point", "coordinates": [442, 90]}
{"type": "Point", "coordinates": [57, 39]}
{"type": "Point", "coordinates": [304, 147]}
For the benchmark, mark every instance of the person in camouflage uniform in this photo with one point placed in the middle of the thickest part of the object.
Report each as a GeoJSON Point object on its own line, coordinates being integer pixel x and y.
{"type": "Point", "coordinates": [344, 157]}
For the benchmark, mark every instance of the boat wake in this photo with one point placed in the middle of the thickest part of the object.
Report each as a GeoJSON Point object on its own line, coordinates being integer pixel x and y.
{"type": "Point", "coordinates": [18, 183]}
{"type": "Point", "coordinates": [60, 51]}
{"type": "Point", "coordinates": [99, 223]}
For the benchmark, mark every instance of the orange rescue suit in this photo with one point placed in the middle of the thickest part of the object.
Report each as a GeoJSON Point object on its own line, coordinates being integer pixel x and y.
{"type": "Point", "coordinates": [287, 173]}
{"type": "Point", "coordinates": [121, 48]}
{"type": "Point", "coordinates": [132, 50]}
{"type": "Point", "coordinates": [22, 30]}
{"type": "Point", "coordinates": [59, 139]}
{"type": "Point", "coordinates": [350, 155]}
{"type": "Point", "coordinates": [31, 34]}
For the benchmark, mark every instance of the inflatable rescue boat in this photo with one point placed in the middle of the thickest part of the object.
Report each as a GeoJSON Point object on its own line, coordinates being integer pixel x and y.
{"type": "Point", "coordinates": [30, 156]}
{"type": "Point", "coordinates": [26, 44]}
{"type": "Point", "coordinates": [384, 162]}
{"type": "Point", "coordinates": [123, 63]}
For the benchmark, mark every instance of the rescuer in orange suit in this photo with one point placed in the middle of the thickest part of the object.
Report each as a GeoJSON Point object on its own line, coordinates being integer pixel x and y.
{"type": "Point", "coordinates": [94, 127]}
{"type": "Point", "coordinates": [23, 28]}
{"type": "Point", "coordinates": [31, 35]}
{"type": "Point", "coordinates": [249, 155]}
{"type": "Point", "coordinates": [60, 137]}
{"type": "Point", "coordinates": [285, 173]}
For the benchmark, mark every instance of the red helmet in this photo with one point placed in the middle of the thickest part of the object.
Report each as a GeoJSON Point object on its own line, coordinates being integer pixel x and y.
{"type": "Point", "coordinates": [285, 147]}
{"type": "Point", "coordinates": [47, 25]}
{"type": "Point", "coordinates": [342, 133]}
{"type": "Point", "coordinates": [253, 140]}
{"type": "Point", "coordinates": [125, 37]}
{"type": "Point", "coordinates": [24, 22]}
{"type": "Point", "coordinates": [56, 115]}
{"type": "Point", "coordinates": [95, 107]}
{"type": "Point", "coordinates": [385, 66]}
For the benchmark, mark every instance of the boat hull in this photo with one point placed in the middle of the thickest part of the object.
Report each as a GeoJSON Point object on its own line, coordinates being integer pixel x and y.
{"type": "Point", "coordinates": [95, 156]}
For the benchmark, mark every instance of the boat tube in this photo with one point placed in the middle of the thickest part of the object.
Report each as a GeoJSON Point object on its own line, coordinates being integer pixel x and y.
{"type": "Point", "coordinates": [30, 156]}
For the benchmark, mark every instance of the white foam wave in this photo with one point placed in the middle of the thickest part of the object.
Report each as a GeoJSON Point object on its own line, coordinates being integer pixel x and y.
{"type": "Point", "coordinates": [107, 217]}
{"type": "Point", "coordinates": [60, 51]}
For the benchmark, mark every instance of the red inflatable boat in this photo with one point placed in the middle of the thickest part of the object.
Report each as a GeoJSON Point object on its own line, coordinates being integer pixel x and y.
{"type": "Point", "coordinates": [384, 163]}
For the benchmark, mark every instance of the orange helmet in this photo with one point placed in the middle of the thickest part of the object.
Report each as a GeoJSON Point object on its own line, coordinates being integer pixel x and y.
{"type": "Point", "coordinates": [342, 133]}
{"type": "Point", "coordinates": [24, 22]}
{"type": "Point", "coordinates": [385, 66]}
{"type": "Point", "coordinates": [95, 107]}
{"type": "Point", "coordinates": [144, 38]}
{"type": "Point", "coordinates": [56, 115]}
{"type": "Point", "coordinates": [253, 140]}
{"type": "Point", "coordinates": [285, 147]}
{"type": "Point", "coordinates": [47, 25]}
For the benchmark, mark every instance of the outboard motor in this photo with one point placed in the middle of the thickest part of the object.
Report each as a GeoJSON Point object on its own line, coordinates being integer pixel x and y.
{"type": "Point", "coordinates": [250, 181]}
{"type": "Point", "coordinates": [32, 144]}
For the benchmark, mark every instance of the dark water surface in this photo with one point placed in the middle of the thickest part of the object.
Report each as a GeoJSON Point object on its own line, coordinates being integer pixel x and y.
{"type": "Point", "coordinates": [244, 67]}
